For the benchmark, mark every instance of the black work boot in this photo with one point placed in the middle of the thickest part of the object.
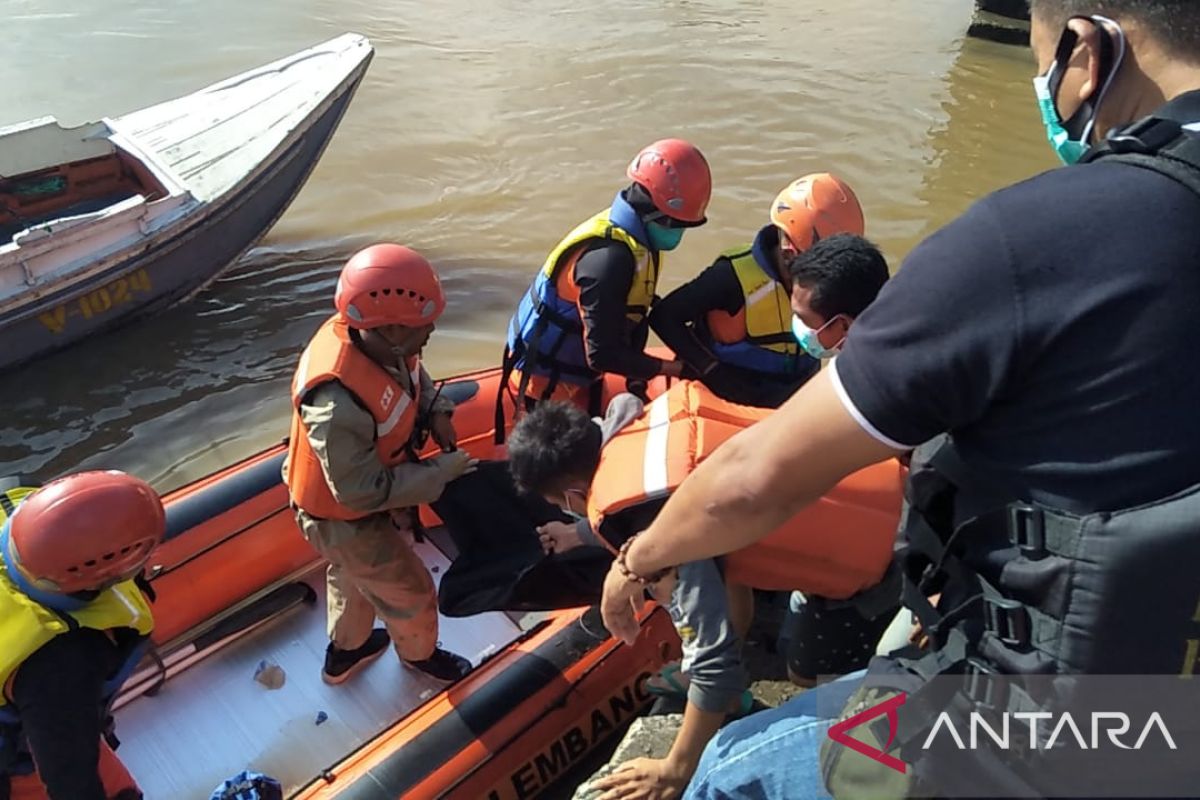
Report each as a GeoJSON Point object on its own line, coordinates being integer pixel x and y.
{"type": "Point", "coordinates": [342, 664]}
{"type": "Point", "coordinates": [443, 665]}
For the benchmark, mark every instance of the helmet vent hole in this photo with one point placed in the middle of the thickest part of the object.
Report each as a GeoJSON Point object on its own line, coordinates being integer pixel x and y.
{"type": "Point", "coordinates": [109, 556]}
{"type": "Point", "coordinates": [91, 563]}
{"type": "Point", "coordinates": [411, 293]}
{"type": "Point", "coordinates": [387, 292]}
{"type": "Point", "coordinates": [72, 569]}
{"type": "Point", "coordinates": [374, 294]}
{"type": "Point", "coordinates": [125, 549]}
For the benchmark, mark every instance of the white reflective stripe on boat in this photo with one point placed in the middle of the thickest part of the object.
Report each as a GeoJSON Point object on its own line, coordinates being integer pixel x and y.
{"type": "Point", "coordinates": [654, 465]}
{"type": "Point", "coordinates": [385, 427]}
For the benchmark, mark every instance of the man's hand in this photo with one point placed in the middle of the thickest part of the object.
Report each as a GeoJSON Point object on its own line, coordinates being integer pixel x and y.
{"type": "Point", "coordinates": [441, 428]}
{"type": "Point", "coordinates": [643, 779]}
{"type": "Point", "coordinates": [456, 464]}
{"type": "Point", "coordinates": [559, 537]}
{"type": "Point", "coordinates": [619, 601]}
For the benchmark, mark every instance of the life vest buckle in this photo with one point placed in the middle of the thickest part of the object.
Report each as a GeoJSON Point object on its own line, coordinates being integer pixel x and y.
{"type": "Point", "coordinates": [1007, 620]}
{"type": "Point", "coordinates": [1027, 530]}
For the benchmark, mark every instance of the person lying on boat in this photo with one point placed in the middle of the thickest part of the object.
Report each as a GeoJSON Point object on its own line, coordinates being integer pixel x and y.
{"type": "Point", "coordinates": [615, 488]}
{"type": "Point", "coordinates": [732, 323]}
{"type": "Point", "coordinates": [586, 311]}
{"type": "Point", "coordinates": [351, 469]}
{"type": "Point", "coordinates": [74, 622]}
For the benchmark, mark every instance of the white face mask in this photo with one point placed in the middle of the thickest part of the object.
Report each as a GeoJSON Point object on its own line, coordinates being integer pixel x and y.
{"type": "Point", "coordinates": [566, 508]}
{"type": "Point", "coordinates": [810, 341]}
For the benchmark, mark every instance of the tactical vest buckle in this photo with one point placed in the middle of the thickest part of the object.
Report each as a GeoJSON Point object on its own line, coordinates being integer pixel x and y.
{"type": "Point", "coordinates": [1008, 620]}
{"type": "Point", "coordinates": [980, 688]}
{"type": "Point", "coordinates": [1027, 530]}
{"type": "Point", "coordinates": [1147, 136]}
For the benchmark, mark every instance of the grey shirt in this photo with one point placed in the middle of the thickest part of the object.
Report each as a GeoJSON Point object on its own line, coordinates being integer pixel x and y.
{"type": "Point", "coordinates": [699, 606]}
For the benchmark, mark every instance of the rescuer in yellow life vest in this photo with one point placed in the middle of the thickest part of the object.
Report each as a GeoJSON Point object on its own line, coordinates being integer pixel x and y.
{"type": "Point", "coordinates": [586, 311]}
{"type": "Point", "coordinates": [73, 624]}
{"type": "Point", "coordinates": [732, 323]}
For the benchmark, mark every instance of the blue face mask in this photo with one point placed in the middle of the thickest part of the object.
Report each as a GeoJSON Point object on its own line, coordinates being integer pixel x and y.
{"type": "Point", "coordinates": [810, 340]}
{"type": "Point", "coordinates": [662, 238]}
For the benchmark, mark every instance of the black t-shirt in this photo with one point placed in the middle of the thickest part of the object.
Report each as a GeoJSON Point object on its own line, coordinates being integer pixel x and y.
{"type": "Point", "coordinates": [1052, 330]}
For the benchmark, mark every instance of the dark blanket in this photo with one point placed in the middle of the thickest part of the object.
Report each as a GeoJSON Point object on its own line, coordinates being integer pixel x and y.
{"type": "Point", "coordinates": [500, 564]}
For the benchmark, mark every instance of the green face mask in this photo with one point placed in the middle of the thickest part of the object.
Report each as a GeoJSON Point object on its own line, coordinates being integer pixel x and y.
{"type": "Point", "coordinates": [662, 238]}
{"type": "Point", "coordinates": [1071, 138]}
{"type": "Point", "coordinates": [1069, 150]}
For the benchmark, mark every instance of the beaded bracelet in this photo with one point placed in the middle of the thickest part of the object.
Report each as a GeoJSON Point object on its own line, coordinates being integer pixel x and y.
{"type": "Point", "coordinates": [629, 574]}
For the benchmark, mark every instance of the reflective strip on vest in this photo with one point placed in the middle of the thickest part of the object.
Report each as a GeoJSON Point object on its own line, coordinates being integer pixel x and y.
{"type": "Point", "coordinates": [811, 551]}
{"type": "Point", "coordinates": [655, 475]}
{"type": "Point", "coordinates": [384, 428]}
{"type": "Point", "coordinates": [761, 293]}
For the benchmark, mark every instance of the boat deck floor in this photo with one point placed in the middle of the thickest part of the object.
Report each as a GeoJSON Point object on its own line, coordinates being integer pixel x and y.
{"type": "Point", "coordinates": [214, 719]}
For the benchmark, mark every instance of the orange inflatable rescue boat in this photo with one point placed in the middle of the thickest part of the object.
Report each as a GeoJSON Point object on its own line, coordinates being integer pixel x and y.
{"type": "Point", "coordinates": [234, 681]}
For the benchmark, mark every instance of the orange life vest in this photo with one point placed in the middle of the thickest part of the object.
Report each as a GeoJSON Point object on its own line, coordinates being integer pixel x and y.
{"type": "Point", "coordinates": [332, 356]}
{"type": "Point", "coordinates": [835, 547]}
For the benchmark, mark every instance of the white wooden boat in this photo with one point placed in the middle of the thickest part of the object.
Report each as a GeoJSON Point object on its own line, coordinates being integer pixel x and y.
{"type": "Point", "coordinates": [119, 218]}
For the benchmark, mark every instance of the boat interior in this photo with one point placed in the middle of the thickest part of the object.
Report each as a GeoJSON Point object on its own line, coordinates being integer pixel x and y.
{"type": "Point", "coordinates": [209, 701]}
{"type": "Point", "coordinates": [72, 188]}
{"type": "Point", "coordinates": [189, 725]}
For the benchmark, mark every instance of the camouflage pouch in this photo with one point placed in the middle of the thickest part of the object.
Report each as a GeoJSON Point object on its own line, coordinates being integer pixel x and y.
{"type": "Point", "coordinates": [851, 774]}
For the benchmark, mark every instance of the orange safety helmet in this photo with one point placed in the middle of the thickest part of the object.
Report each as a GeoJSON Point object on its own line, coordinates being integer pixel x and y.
{"type": "Point", "coordinates": [388, 284]}
{"type": "Point", "coordinates": [815, 207]}
{"type": "Point", "coordinates": [84, 531]}
{"type": "Point", "coordinates": [677, 177]}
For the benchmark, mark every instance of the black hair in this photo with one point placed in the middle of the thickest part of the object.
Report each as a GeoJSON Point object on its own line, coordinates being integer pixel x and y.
{"type": "Point", "coordinates": [553, 445]}
{"type": "Point", "coordinates": [1174, 23]}
{"type": "Point", "coordinates": [845, 272]}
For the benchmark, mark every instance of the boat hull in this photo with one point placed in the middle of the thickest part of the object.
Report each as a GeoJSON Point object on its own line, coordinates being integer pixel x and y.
{"type": "Point", "coordinates": [180, 260]}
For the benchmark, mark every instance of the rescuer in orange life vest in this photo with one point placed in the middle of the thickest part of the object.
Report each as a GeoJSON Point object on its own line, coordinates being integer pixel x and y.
{"type": "Point", "coordinates": [613, 477]}
{"type": "Point", "coordinates": [74, 622]}
{"type": "Point", "coordinates": [359, 393]}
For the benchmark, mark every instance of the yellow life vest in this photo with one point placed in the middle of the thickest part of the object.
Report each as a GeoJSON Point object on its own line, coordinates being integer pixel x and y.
{"type": "Point", "coordinates": [11, 498]}
{"type": "Point", "coordinates": [765, 320]}
{"type": "Point", "coordinates": [25, 626]}
{"type": "Point", "coordinates": [648, 268]}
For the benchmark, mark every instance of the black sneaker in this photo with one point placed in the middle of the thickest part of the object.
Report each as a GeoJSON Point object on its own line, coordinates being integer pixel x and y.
{"type": "Point", "coordinates": [443, 665]}
{"type": "Point", "coordinates": [342, 664]}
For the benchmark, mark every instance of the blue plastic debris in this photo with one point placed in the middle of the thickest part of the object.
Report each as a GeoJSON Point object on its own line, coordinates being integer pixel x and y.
{"type": "Point", "coordinates": [249, 786]}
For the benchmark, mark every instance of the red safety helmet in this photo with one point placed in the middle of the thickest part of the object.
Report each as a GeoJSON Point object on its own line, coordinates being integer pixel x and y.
{"type": "Point", "coordinates": [388, 284]}
{"type": "Point", "coordinates": [85, 531]}
{"type": "Point", "coordinates": [815, 207]}
{"type": "Point", "coordinates": [677, 177]}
